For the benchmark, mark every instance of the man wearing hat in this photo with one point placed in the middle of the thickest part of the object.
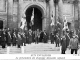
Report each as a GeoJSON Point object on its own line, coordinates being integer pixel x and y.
{"type": "Point", "coordinates": [74, 44]}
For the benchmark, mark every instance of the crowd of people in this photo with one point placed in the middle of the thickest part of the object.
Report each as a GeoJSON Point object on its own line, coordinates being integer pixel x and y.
{"type": "Point", "coordinates": [69, 40]}
{"type": "Point", "coordinates": [16, 38]}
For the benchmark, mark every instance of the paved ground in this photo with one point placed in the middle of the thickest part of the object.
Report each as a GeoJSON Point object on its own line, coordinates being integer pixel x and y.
{"type": "Point", "coordinates": [33, 48]}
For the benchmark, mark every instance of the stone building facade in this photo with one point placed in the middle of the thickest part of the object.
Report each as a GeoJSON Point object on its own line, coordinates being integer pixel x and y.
{"type": "Point", "coordinates": [11, 12]}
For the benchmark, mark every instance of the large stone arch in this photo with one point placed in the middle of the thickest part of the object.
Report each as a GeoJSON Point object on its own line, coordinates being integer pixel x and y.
{"type": "Point", "coordinates": [41, 8]}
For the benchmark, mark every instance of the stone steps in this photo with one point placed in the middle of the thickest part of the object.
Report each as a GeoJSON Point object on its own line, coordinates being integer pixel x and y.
{"type": "Point", "coordinates": [35, 48]}
{"type": "Point", "coordinates": [15, 50]}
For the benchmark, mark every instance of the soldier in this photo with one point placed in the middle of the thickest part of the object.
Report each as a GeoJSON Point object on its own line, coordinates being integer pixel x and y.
{"type": "Point", "coordinates": [67, 39]}
{"type": "Point", "coordinates": [52, 38]}
{"type": "Point", "coordinates": [14, 39]}
{"type": "Point", "coordinates": [35, 36]}
{"type": "Point", "coordinates": [45, 37]}
{"type": "Point", "coordinates": [41, 36]}
{"type": "Point", "coordinates": [63, 44]}
{"type": "Point", "coordinates": [57, 40]}
{"type": "Point", "coordinates": [30, 36]}
{"type": "Point", "coordinates": [3, 40]}
{"type": "Point", "coordinates": [74, 44]}
{"type": "Point", "coordinates": [9, 38]}
{"type": "Point", "coordinates": [26, 35]}
{"type": "Point", "coordinates": [19, 39]}
{"type": "Point", "coordinates": [38, 35]}
{"type": "Point", "coordinates": [79, 36]}
{"type": "Point", "coordinates": [24, 38]}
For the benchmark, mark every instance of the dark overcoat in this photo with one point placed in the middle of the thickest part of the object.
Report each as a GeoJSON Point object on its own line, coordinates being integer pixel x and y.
{"type": "Point", "coordinates": [63, 44]}
{"type": "Point", "coordinates": [52, 37]}
{"type": "Point", "coordinates": [19, 39]}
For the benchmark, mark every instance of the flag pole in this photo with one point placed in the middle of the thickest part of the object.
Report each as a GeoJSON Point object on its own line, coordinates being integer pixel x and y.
{"type": "Point", "coordinates": [32, 23]}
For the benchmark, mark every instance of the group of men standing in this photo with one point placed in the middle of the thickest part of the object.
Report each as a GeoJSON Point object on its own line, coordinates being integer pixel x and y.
{"type": "Point", "coordinates": [14, 37]}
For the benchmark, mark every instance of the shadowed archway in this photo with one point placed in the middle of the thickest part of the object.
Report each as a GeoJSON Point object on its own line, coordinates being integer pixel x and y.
{"type": "Point", "coordinates": [37, 18]}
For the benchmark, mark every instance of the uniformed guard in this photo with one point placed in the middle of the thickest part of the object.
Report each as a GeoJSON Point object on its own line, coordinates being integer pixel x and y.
{"type": "Point", "coordinates": [57, 40]}
{"type": "Point", "coordinates": [33, 36]}
{"type": "Point", "coordinates": [45, 37]}
{"type": "Point", "coordinates": [19, 39]}
{"type": "Point", "coordinates": [9, 38]}
{"type": "Point", "coordinates": [63, 44]}
{"type": "Point", "coordinates": [67, 38]}
{"type": "Point", "coordinates": [52, 38]}
{"type": "Point", "coordinates": [24, 39]}
{"type": "Point", "coordinates": [41, 36]}
{"type": "Point", "coordinates": [38, 36]}
{"type": "Point", "coordinates": [30, 36]}
{"type": "Point", "coordinates": [14, 39]}
{"type": "Point", "coordinates": [3, 39]}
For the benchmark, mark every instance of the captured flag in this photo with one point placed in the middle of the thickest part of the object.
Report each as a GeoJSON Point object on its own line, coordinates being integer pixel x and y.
{"type": "Point", "coordinates": [23, 23]}
{"type": "Point", "coordinates": [65, 24]}
{"type": "Point", "coordinates": [32, 17]}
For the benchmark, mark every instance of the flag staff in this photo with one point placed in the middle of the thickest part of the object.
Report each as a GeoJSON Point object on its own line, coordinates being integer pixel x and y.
{"type": "Point", "coordinates": [32, 19]}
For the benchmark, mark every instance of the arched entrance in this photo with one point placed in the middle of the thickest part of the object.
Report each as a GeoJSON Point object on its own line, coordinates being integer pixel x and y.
{"type": "Point", "coordinates": [37, 17]}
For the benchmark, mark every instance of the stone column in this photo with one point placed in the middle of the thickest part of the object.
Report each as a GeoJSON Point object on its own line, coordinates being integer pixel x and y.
{"type": "Point", "coordinates": [75, 16]}
{"type": "Point", "coordinates": [15, 13]}
{"type": "Point", "coordinates": [20, 11]}
{"type": "Point", "coordinates": [52, 13]}
{"type": "Point", "coordinates": [60, 16]}
{"type": "Point", "coordinates": [9, 13]}
{"type": "Point", "coordinates": [47, 16]}
{"type": "Point", "coordinates": [79, 14]}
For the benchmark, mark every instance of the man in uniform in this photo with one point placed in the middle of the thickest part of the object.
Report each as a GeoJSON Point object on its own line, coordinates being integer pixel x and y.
{"type": "Point", "coordinates": [41, 36]}
{"type": "Point", "coordinates": [57, 40]}
{"type": "Point", "coordinates": [67, 38]}
{"type": "Point", "coordinates": [45, 37]}
{"type": "Point", "coordinates": [9, 38]}
{"type": "Point", "coordinates": [3, 39]}
{"type": "Point", "coordinates": [52, 38]}
{"type": "Point", "coordinates": [30, 36]}
{"type": "Point", "coordinates": [14, 39]}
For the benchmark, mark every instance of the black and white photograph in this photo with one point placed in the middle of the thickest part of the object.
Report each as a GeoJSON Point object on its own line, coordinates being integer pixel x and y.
{"type": "Point", "coordinates": [40, 27]}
